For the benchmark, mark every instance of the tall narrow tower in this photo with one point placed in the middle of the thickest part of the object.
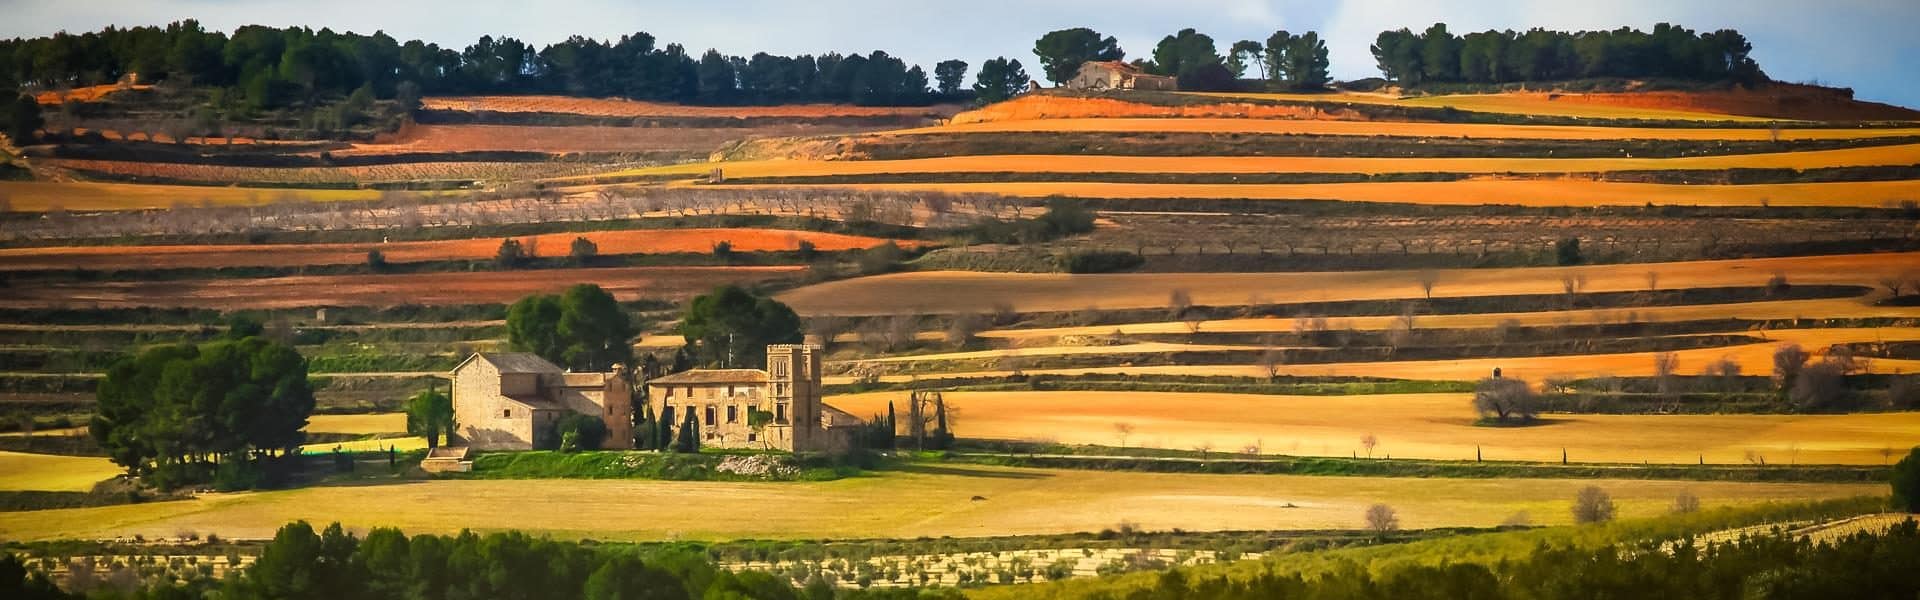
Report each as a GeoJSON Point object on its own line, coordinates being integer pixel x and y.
{"type": "Point", "coordinates": [793, 374]}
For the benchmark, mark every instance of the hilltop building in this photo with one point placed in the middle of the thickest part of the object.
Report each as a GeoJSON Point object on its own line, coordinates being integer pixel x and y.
{"type": "Point", "coordinates": [1116, 75]}
{"type": "Point", "coordinates": [510, 401]}
{"type": "Point", "coordinates": [724, 403]}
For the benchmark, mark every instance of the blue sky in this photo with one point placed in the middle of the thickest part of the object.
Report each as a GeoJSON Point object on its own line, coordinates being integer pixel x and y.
{"type": "Point", "coordinates": [1868, 45]}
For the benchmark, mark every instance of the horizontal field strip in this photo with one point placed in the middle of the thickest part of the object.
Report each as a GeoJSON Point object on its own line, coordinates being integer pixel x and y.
{"type": "Point", "coordinates": [1670, 176]}
{"type": "Point", "coordinates": [885, 147]}
{"type": "Point", "coordinates": [1532, 193]}
{"type": "Point", "coordinates": [1417, 130]}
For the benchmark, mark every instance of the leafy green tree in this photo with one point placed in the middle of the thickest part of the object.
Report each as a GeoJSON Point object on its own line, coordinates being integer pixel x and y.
{"type": "Point", "coordinates": [430, 415]}
{"type": "Point", "coordinates": [1906, 482]}
{"type": "Point", "coordinates": [999, 79]}
{"type": "Point", "coordinates": [1243, 53]}
{"type": "Point", "coordinates": [951, 74]}
{"type": "Point", "coordinates": [20, 117]}
{"type": "Point", "coordinates": [717, 77]}
{"type": "Point", "coordinates": [1304, 64]}
{"type": "Point", "coordinates": [723, 250]}
{"type": "Point", "coordinates": [533, 325]}
{"type": "Point", "coordinates": [176, 407]}
{"type": "Point", "coordinates": [1184, 53]}
{"type": "Point", "coordinates": [578, 432]}
{"type": "Point", "coordinates": [510, 254]}
{"type": "Point", "coordinates": [1062, 52]}
{"type": "Point", "coordinates": [625, 577]}
{"type": "Point", "coordinates": [731, 327]}
{"type": "Point", "coordinates": [18, 583]}
{"type": "Point", "coordinates": [1439, 54]}
{"type": "Point", "coordinates": [1398, 55]}
{"type": "Point", "coordinates": [377, 261]}
{"type": "Point", "coordinates": [583, 251]}
{"type": "Point", "coordinates": [594, 331]}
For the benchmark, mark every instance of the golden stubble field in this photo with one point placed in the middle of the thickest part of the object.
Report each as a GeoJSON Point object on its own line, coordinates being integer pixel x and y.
{"type": "Point", "coordinates": [1430, 426]}
{"type": "Point", "coordinates": [955, 291]}
{"type": "Point", "coordinates": [1469, 192]}
{"type": "Point", "coordinates": [920, 501]}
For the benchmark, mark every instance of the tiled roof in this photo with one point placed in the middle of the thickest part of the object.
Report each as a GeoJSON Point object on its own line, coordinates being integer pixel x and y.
{"type": "Point", "coordinates": [583, 379]}
{"type": "Point", "coordinates": [712, 376]}
{"type": "Point", "coordinates": [518, 362]}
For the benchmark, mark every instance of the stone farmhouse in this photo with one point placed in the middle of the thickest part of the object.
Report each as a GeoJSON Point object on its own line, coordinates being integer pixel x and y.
{"type": "Point", "coordinates": [723, 402]}
{"type": "Point", "coordinates": [510, 401]}
{"type": "Point", "coordinates": [1116, 75]}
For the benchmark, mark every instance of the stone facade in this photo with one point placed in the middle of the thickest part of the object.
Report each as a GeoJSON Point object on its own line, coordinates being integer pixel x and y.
{"type": "Point", "coordinates": [724, 401]}
{"type": "Point", "coordinates": [1116, 75]}
{"type": "Point", "coordinates": [510, 401]}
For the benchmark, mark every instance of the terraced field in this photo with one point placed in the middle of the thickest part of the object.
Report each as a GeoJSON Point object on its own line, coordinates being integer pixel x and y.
{"type": "Point", "coordinates": [1370, 129]}
{"type": "Point", "coordinates": [44, 196]}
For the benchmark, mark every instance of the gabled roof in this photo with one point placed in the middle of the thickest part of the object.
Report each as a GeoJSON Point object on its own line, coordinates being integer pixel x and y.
{"type": "Point", "coordinates": [512, 362]}
{"type": "Point", "coordinates": [712, 376]}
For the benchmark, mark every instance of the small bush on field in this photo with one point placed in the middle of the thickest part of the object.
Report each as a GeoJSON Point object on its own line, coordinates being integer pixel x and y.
{"type": "Point", "coordinates": [1593, 505]}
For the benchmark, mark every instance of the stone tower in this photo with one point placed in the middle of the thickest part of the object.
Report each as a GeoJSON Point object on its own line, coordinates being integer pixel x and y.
{"type": "Point", "coordinates": [793, 374]}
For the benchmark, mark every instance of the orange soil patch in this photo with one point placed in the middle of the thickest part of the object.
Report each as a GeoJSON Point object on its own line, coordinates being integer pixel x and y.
{"type": "Point", "coordinates": [616, 107]}
{"type": "Point", "coordinates": [626, 283]}
{"type": "Point", "coordinates": [641, 241]}
{"type": "Point", "coordinates": [1361, 128]}
{"type": "Point", "coordinates": [92, 93]}
{"type": "Point", "coordinates": [494, 171]}
{"type": "Point", "coordinates": [1046, 106]}
{"type": "Point", "coordinates": [163, 138]}
{"type": "Point", "coordinates": [38, 196]}
{"type": "Point", "coordinates": [1905, 154]}
{"type": "Point", "coordinates": [1434, 426]}
{"type": "Point", "coordinates": [1560, 192]}
{"type": "Point", "coordinates": [951, 291]}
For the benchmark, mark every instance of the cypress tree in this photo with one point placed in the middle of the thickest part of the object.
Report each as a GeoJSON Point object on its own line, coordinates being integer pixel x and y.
{"type": "Point", "coordinates": [892, 426]}
{"type": "Point", "coordinates": [689, 441]}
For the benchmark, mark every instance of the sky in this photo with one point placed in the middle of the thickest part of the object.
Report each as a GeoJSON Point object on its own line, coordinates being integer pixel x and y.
{"type": "Point", "coordinates": [1868, 45]}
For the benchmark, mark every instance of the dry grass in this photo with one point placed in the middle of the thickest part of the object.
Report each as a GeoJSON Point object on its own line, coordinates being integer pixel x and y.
{"type": "Point", "coordinates": [1433, 426]}
{"type": "Point", "coordinates": [640, 241]}
{"type": "Point", "coordinates": [1364, 128]}
{"type": "Point", "coordinates": [1514, 103]}
{"type": "Point", "coordinates": [952, 291]}
{"type": "Point", "coordinates": [422, 171]}
{"type": "Point", "coordinates": [91, 93]}
{"type": "Point", "coordinates": [467, 138]}
{"type": "Point", "coordinates": [1521, 192]}
{"type": "Point", "coordinates": [40, 196]}
{"type": "Point", "coordinates": [45, 472]}
{"type": "Point", "coordinates": [626, 283]}
{"type": "Point", "coordinates": [358, 424]}
{"type": "Point", "coordinates": [931, 501]}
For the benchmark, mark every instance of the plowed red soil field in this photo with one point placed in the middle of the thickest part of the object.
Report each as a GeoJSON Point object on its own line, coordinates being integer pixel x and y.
{"type": "Point", "coordinates": [626, 283]}
{"type": "Point", "coordinates": [641, 241]}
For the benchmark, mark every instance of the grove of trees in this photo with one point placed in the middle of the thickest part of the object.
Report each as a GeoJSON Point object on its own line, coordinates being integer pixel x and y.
{"type": "Point", "coordinates": [1438, 56]}
{"type": "Point", "coordinates": [1062, 52]}
{"type": "Point", "coordinates": [999, 79]}
{"type": "Point", "coordinates": [582, 328]}
{"type": "Point", "coordinates": [188, 413]}
{"type": "Point", "coordinates": [731, 328]}
{"type": "Point", "coordinates": [266, 67]}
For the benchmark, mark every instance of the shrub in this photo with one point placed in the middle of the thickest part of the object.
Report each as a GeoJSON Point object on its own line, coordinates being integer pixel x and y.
{"type": "Point", "coordinates": [583, 251]}
{"type": "Point", "coordinates": [1906, 482]}
{"type": "Point", "coordinates": [1566, 251]}
{"type": "Point", "coordinates": [376, 260]}
{"type": "Point", "coordinates": [577, 432]}
{"type": "Point", "coordinates": [1102, 261]}
{"type": "Point", "coordinates": [1381, 519]}
{"type": "Point", "coordinates": [1503, 398]}
{"type": "Point", "coordinates": [510, 254]}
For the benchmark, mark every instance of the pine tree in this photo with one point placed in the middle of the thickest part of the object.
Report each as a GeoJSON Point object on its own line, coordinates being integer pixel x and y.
{"type": "Point", "coordinates": [892, 427]}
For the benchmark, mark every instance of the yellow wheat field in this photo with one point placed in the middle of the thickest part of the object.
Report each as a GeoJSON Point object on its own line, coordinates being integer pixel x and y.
{"type": "Point", "coordinates": [932, 500]}
{"type": "Point", "coordinates": [1432, 426]}
{"type": "Point", "coordinates": [45, 472]}
{"type": "Point", "coordinates": [1519, 104]}
{"type": "Point", "coordinates": [40, 196]}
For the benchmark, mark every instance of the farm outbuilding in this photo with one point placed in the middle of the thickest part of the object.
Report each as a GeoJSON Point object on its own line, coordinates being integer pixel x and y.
{"type": "Point", "coordinates": [1116, 75]}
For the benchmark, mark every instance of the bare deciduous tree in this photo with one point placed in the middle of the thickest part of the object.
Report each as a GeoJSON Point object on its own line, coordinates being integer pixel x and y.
{"type": "Point", "coordinates": [1179, 301]}
{"type": "Point", "coordinates": [1124, 430]}
{"type": "Point", "coordinates": [1368, 442]}
{"type": "Point", "coordinates": [1592, 505]}
{"type": "Point", "coordinates": [1505, 397]}
{"type": "Point", "coordinates": [1686, 503]}
{"type": "Point", "coordinates": [1427, 279]}
{"type": "Point", "coordinates": [1788, 360]}
{"type": "Point", "coordinates": [1382, 520]}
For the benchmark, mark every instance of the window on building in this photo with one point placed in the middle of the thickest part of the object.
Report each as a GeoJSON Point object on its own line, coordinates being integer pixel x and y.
{"type": "Point", "coordinates": [711, 412]}
{"type": "Point", "coordinates": [506, 413]}
{"type": "Point", "coordinates": [733, 414]}
{"type": "Point", "coordinates": [753, 438]}
{"type": "Point", "coordinates": [780, 413]}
